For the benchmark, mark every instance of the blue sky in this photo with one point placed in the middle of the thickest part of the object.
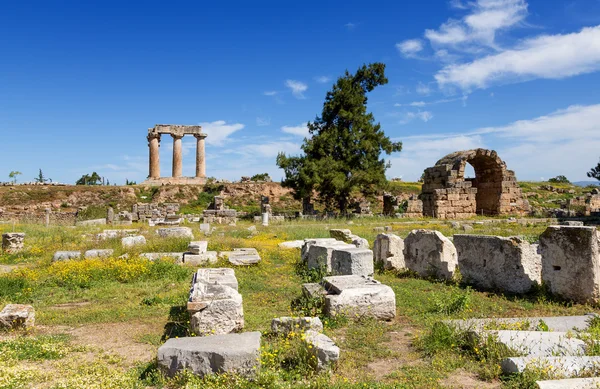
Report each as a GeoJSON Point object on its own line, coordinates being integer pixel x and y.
{"type": "Point", "coordinates": [81, 82]}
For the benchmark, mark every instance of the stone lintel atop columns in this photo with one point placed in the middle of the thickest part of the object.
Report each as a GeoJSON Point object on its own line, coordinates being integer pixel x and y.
{"type": "Point", "coordinates": [175, 129]}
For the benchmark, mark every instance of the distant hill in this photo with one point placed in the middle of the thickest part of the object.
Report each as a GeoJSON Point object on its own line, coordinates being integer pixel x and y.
{"type": "Point", "coordinates": [586, 183]}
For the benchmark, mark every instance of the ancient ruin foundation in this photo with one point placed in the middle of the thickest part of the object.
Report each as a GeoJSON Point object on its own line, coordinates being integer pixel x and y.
{"type": "Point", "coordinates": [177, 132]}
{"type": "Point", "coordinates": [446, 194]}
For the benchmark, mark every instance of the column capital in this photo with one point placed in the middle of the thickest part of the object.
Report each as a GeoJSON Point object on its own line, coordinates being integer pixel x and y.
{"type": "Point", "coordinates": [177, 136]}
{"type": "Point", "coordinates": [200, 136]}
{"type": "Point", "coordinates": [153, 136]}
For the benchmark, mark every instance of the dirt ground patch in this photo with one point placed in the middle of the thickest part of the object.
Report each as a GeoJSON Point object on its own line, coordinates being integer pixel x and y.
{"type": "Point", "coordinates": [400, 344]}
{"type": "Point", "coordinates": [465, 380]}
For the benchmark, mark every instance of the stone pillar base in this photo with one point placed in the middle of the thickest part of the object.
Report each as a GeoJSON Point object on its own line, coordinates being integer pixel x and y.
{"type": "Point", "coordinates": [175, 181]}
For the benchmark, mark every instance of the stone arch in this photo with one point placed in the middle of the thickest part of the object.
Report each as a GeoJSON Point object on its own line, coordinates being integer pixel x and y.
{"type": "Point", "coordinates": [494, 190]}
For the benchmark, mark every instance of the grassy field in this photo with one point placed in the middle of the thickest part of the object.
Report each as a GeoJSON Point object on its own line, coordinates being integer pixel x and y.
{"type": "Point", "coordinates": [100, 322]}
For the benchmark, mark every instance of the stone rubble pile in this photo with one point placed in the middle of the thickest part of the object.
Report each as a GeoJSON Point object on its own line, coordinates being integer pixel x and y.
{"type": "Point", "coordinates": [13, 242]}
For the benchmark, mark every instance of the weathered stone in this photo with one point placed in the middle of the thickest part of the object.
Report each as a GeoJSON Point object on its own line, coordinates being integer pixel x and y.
{"type": "Point", "coordinates": [214, 308]}
{"type": "Point", "coordinates": [313, 290]}
{"type": "Point", "coordinates": [252, 228]}
{"type": "Point", "coordinates": [93, 222]}
{"type": "Point", "coordinates": [356, 296]}
{"type": "Point", "coordinates": [200, 259]}
{"type": "Point", "coordinates": [389, 251]}
{"type": "Point", "coordinates": [538, 343]}
{"type": "Point", "coordinates": [553, 323]}
{"type": "Point", "coordinates": [570, 383]}
{"type": "Point", "coordinates": [571, 223]}
{"type": "Point", "coordinates": [175, 232]}
{"type": "Point", "coordinates": [65, 255]}
{"type": "Point", "coordinates": [430, 254]}
{"type": "Point", "coordinates": [13, 242]}
{"type": "Point", "coordinates": [198, 247]}
{"type": "Point", "coordinates": [308, 243]}
{"type": "Point", "coordinates": [131, 241]}
{"type": "Point", "coordinates": [319, 254]}
{"type": "Point", "coordinates": [241, 256]}
{"type": "Point", "coordinates": [16, 316]}
{"type": "Point", "coordinates": [344, 235]}
{"type": "Point", "coordinates": [294, 244]}
{"type": "Point", "coordinates": [566, 366]}
{"type": "Point", "coordinates": [285, 325]}
{"type": "Point", "coordinates": [467, 228]}
{"type": "Point", "coordinates": [231, 353]}
{"type": "Point", "coordinates": [322, 348]}
{"type": "Point", "coordinates": [571, 262]}
{"type": "Point", "coordinates": [349, 261]}
{"type": "Point", "coordinates": [221, 276]}
{"type": "Point", "coordinates": [156, 256]}
{"type": "Point", "coordinates": [359, 242]}
{"type": "Point", "coordinates": [205, 227]}
{"type": "Point", "coordinates": [112, 234]}
{"type": "Point", "coordinates": [98, 253]}
{"type": "Point", "coordinates": [493, 262]}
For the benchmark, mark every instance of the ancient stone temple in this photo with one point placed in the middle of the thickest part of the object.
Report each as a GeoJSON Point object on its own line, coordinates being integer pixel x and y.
{"type": "Point", "coordinates": [177, 132]}
{"type": "Point", "coordinates": [446, 194]}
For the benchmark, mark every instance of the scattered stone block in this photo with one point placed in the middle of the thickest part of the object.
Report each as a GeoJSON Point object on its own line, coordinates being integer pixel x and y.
{"type": "Point", "coordinates": [378, 229]}
{"type": "Point", "coordinates": [352, 261]}
{"type": "Point", "coordinates": [93, 222]}
{"type": "Point", "coordinates": [570, 383]}
{"type": "Point", "coordinates": [389, 250]}
{"type": "Point", "coordinates": [566, 366]}
{"type": "Point", "coordinates": [294, 244]}
{"type": "Point", "coordinates": [322, 348]}
{"type": "Point", "coordinates": [313, 290]}
{"type": "Point", "coordinates": [285, 325]}
{"type": "Point", "coordinates": [359, 242]}
{"type": "Point", "coordinates": [308, 243]}
{"type": "Point", "coordinates": [176, 232]}
{"type": "Point", "coordinates": [467, 228]}
{"type": "Point", "coordinates": [198, 247]}
{"type": "Point", "coordinates": [132, 241]}
{"type": "Point", "coordinates": [430, 254]}
{"type": "Point", "coordinates": [98, 253]}
{"type": "Point", "coordinates": [230, 353]}
{"type": "Point", "coordinates": [571, 262]}
{"type": "Point", "coordinates": [571, 223]}
{"type": "Point", "coordinates": [208, 257]}
{"type": "Point", "coordinates": [221, 276]}
{"type": "Point", "coordinates": [538, 343]}
{"type": "Point", "coordinates": [156, 256]}
{"type": "Point", "coordinates": [344, 235]}
{"type": "Point", "coordinates": [66, 255]}
{"type": "Point", "coordinates": [553, 323]}
{"type": "Point", "coordinates": [252, 228]}
{"type": "Point", "coordinates": [205, 227]}
{"type": "Point", "coordinates": [215, 309]}
{"type": "Point", "coordinates": [17, 316]}
{"type": "Point", "coordinates": [113, 234]}
{"type": "Point", "coordinates": [356, 296]}
{"type": "Point", "coordinates": [242, 256]}
{"type": "Point", "coordinates": [13, 242]}
{"type": "Point", "coordinates": [493, 262]}
{"type": "Point", "coordinates": [320, 254]}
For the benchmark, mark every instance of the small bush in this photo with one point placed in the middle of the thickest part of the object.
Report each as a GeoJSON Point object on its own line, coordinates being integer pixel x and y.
{"type": "Point", "coordinates": [457, 301]}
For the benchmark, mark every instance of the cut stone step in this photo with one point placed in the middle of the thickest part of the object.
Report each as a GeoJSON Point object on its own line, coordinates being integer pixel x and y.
{"type": "Point", "coordinates": [537, 343]}
{"type": "Point", "coordinates": [562, 366]}
{"type": "Point", "coordinates": [557, 323]}
{"type": "Point", "coordinates": [571, 383]}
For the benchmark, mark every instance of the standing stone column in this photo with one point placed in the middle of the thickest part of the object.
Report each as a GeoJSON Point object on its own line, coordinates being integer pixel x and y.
{"type": "Point", "coordinates": [177, 165]}
{"type": "Point", "coordinates": [154, 144]}
{"type": "Point", "coordinates": [200, 156]}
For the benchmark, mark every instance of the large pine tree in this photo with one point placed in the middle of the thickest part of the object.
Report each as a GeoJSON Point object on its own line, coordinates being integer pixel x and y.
{"type": "Point", "coordinates": [343, 153]}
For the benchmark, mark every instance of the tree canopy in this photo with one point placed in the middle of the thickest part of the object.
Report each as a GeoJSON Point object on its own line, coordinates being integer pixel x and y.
{"type": "Point", "coordinates": [595, 172]}
{"type": "Point", "coordinates": [89, 179]}
{"type": "Point", "coordinates": [342, 154]}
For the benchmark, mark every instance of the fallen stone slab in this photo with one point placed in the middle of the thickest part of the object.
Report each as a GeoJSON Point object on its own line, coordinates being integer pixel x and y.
{"type": "Point", "coordinates": [198, 247]}
{"type": "Point", "coordinates": [175, 232]}
{"type": "Point", "coordinates": [205, 227]}
{"type": "Point", "coordinates": [93, 222]}
{"type": "Point", "coordinates": [66, 255]}
{"type": "Point", "coordinates": [221, 276]}
{"type": "Point", "coordinates": [215, 309]}
{"type": "Point", "coordinates": [242, 256]}
{"type": "Point", "coordinates": [388, 250]}
{"type": "Point", "coordinates": [200, 259]}
{"type": "Point", "coordinates": [352, 261]}
{"type": "Point", "coordinates": [430, 254]}
{"type": "Point", "coordinates": [553, 323]}
{"type": "Point", "coordinates": [566, 366]}
{"type": "Point", "coordinates": [570, 262]}
{"type": "Point", "coordinates": [98, 253]}
{"type": "Point", "coordinates": [538, 343]}
{"type": "Point", "coordinates": [132, 241]}
{"type": "Point", "coordinates": [571, 223]}
{"type": "Point", "coordinates": [322, 348]}
{"type": "Point", "coordinates": [113, 234]}
{"type": "Point", "coordinates": [230, 353]}
{"type": "Point", "coordinates": [13, 242]}
{"type": "Point", "coordinates": [293, 244]}
{"type": "Point", "coordinates": [320, 254]}
{"type": "Point", "coordinates": [17, 316]}
{"type": "Point", "coordinates": [570, 383]}
{"type": "Point", "coordinates": [358, 296]}
{"type": "Point", "coordinates": [308, 243]}
{"type": "Point", "coordinates": [494, 262]}
{"type": "Point", "coordinates": [285, 325]}
{"type": "Point", "coordinates": [156, 256]}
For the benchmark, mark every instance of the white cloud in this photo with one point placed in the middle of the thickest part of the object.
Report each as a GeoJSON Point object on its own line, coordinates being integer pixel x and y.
{"type": "Point", "coordinates": [407, 117]}
{"type": "Point", "coordinates": [297, 87]}
{"type": "Point", "coordinates": [350, 26]}
{"type": "Point", "coordinates": [260, 121]}
{"type": "Point", "coordinates": [219, 131]}
{"type": "Point", "coordinates": [546, 56]}
{"type": "Point", "coordinates": [270, 93]}
{"type": "Point", "coordinates": [410, 48]}
{"type": "Point", "coordinates": [426, 103]}
{"type": "Point", "coordinates": [423, 89]}
{"type": "Point", "coordinates": [322, 79]}
{"type": "Point", "coordinates": [300, 130]}
{"type": "Point", "coordinates": [486, 18]}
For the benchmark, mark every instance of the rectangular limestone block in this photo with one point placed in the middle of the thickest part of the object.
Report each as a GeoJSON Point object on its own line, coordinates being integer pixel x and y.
{"type": "Point", "coordinates": [389, 251]}
{"type": "Point", "coordinates": [320, 254]}
{"type": "Point", "coordinates": [352, 261]}
{"type": "Point", "coordinates": [538, 343]}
